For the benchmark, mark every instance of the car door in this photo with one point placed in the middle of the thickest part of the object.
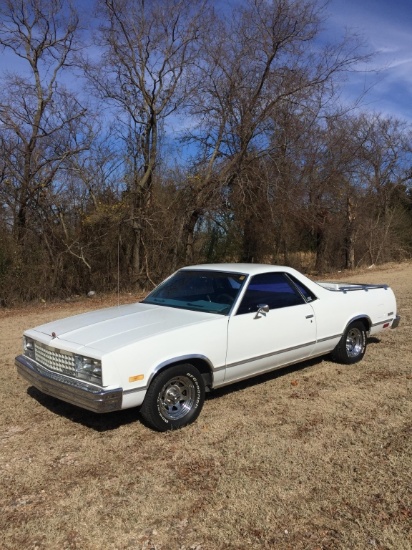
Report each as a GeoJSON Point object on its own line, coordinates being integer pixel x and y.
{"type": "Point", "coordinates": [262, 340]}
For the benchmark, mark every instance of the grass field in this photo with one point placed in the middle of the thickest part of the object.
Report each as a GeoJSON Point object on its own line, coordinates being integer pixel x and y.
{"type": "Point", "coordinates": [317, 456]}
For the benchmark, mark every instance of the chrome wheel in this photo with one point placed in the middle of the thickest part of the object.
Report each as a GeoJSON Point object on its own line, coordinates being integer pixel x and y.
{"type": "Point", "coordinates": [352, 346]}
{"type": "Point", "coordinates": [355, 342]}
{"type": "Point", "coordinates": [174, 398]}
{"type": "Point", "coordinates": [177, 397]}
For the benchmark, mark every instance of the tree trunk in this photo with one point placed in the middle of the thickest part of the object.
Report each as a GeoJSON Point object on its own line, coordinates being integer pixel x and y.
{"type": "Point", "coordinates": [188, 235]}
{"type": "Point", "coordinates": [350, 235]}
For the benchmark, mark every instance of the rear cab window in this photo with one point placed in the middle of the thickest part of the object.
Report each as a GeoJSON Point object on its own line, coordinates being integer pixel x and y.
{"type": "Point", "coordinates": [306, 293]}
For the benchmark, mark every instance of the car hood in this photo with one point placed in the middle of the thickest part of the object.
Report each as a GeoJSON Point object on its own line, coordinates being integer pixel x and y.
{"type": "Point", "coordinates": [109, 329]}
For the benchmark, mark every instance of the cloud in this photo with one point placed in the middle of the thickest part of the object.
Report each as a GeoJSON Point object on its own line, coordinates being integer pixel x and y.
{"type": "Point", "coordinates": [386, 29]}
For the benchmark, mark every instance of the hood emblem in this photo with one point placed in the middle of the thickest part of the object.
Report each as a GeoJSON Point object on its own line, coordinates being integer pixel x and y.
{"type": "Point", "coordinates": [54, 335]}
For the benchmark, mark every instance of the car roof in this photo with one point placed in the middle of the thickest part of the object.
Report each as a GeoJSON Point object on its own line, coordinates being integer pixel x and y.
{"type": "Point", "coordinates": [244, 268]}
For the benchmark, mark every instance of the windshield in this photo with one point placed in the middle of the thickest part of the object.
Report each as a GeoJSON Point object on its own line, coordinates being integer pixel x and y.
{"type": "Point", "coordinates": [197, 290]}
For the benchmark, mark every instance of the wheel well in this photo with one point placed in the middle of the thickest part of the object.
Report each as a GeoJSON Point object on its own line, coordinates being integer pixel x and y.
{"type": "Point", "coordinates": [200, 364]}
{"type": "Point", "coordinates": [364, 320]}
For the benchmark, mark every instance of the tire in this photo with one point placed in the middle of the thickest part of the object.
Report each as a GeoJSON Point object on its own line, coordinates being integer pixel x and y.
{"type": "Point", "coordinates": [352, 346]}
{"type": "Point", "coordinates": [174, 398]}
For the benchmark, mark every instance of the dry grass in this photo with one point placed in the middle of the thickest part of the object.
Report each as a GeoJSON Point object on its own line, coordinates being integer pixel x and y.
{"type": "Point", "coordinates": [313, 457]}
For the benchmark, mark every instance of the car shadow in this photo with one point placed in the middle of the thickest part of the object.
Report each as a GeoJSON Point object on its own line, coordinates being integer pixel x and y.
{"type": "Point", "coordinates": [273, 374]}
{"type": "Point", "coordinates": [263, 378]}
{"type": "Point", "coordinates": [113, 420]}
{"type": "Point", "coordinates": [98, 422]}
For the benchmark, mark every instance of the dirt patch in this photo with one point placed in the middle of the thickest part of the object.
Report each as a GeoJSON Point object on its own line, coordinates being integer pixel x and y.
{"type": "Point", "coordinates": [312, 457]}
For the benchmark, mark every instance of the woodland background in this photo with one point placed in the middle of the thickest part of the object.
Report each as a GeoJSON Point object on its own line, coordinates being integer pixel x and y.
{"type": "Point", "coordinates": [157, 134]}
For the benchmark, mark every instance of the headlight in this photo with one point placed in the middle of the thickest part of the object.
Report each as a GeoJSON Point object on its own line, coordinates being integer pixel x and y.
{"type": "Point", "coordinates": [28, 347]}
{"type": "Point", "coordinates": [88, 369]}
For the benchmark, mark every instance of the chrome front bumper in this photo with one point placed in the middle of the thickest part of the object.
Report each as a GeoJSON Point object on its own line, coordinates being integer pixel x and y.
{"type": "Point", "coordinates": [71, 390]}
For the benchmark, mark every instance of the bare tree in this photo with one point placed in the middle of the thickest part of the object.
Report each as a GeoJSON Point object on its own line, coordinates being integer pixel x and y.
{"type": "Point", "coordinates": [386, 169]}
{"type": "Point", "coordinates": [148, 49]}
{"type": "Point", "coordinates": [255, 63]}
{"type": "Point", "coordinates": [38, 115]}
{"type": "Point", "coordinates": [42, 123]}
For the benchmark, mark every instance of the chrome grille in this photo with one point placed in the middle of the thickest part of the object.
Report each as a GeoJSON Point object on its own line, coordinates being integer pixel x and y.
{"type": "Point", "coordinates": [55, 359]}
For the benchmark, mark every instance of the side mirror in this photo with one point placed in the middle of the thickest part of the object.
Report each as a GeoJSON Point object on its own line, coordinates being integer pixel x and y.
{"type": "Point", "coordinates": [262, 310]}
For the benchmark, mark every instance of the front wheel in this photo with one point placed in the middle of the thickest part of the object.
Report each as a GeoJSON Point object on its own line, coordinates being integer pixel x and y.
{"type": "Point", "coordinates": [174, 398]}
{"type": "Point", "coordinates": [352, 346]}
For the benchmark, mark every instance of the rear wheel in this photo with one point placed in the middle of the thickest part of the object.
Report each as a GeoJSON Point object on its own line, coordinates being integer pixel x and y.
{"type": "Point", "coordinates": [352, 346]}
{"type": "Point", "coordinates": [174, 398]}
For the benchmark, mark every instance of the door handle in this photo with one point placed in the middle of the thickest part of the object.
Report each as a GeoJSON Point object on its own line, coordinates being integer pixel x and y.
{"type": "Point", "coordinates": [309, 316]}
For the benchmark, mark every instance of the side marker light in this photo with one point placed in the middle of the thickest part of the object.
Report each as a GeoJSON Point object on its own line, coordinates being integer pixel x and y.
{"type": "Point", "coordinates": [136, 378]}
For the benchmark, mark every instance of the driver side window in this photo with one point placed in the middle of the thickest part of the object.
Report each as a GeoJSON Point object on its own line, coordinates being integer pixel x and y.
{"type": "Point", "coordinates": [273, 289]}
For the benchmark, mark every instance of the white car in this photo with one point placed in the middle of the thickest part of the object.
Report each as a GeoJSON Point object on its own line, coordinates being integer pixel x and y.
{"type": "Point", "coordinates": [204, 327]}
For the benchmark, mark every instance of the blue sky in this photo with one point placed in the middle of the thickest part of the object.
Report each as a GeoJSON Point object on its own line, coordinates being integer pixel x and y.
{"type": "Point", "coordinates": [387, 27]}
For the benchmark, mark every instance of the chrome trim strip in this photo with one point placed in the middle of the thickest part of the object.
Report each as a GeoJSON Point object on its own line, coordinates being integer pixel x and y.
{"type": "Point", "coordinates": [68, 389]}
{"type": "Point", "coordinates": [135, 390]}
{"type": "Point", "coordinates": [269, 369]}
{"type": "Point", "coordinates": [329, 338]}
{"type": "Point", "coordinates": [170, 362]}
{"type": "Point", "coordinates": [217, 369]}
{"type": "Point", "coordinates": [271, 354]}
{"type": "Point", "coordinates": [179, 359]}
{"type": "Point", "coordinates": [382, 322]}
{"type": "Point", "coordinates": [366, 317]}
